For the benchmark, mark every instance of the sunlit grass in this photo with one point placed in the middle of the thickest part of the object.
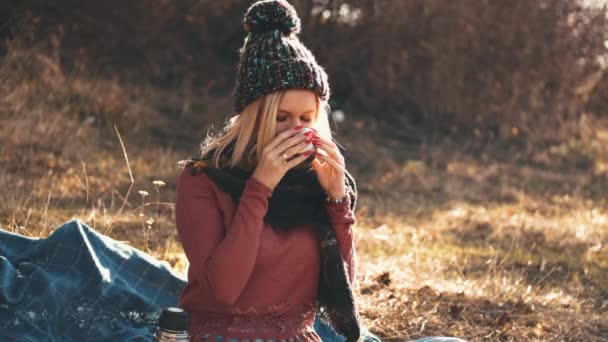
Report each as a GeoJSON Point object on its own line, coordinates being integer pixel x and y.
{"type": "Point", "coordinates": [482, 241]}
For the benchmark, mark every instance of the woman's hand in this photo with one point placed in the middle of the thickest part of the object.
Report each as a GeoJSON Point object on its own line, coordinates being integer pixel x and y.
{"type": "Point", "coordinates": [330, 174]}
{"type": "Point", "coordinates": [274, 162]}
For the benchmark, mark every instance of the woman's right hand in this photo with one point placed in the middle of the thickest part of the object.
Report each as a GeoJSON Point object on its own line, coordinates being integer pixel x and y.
{"type": "Point", "coordinates": [272, 166]}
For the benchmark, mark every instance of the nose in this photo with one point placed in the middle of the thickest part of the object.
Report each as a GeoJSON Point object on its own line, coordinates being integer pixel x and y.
{"type": "Point", "coordinates": [297, 122]}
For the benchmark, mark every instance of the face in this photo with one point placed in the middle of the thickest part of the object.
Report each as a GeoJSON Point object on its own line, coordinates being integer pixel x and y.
{"type": "Point", "coordinates": [297, 107]}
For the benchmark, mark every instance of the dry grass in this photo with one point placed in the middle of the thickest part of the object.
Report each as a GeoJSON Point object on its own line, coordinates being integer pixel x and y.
{"type": "Point", "coordinates": [483, 240]}
{"type": "Point", "coordinates": [495, 242]}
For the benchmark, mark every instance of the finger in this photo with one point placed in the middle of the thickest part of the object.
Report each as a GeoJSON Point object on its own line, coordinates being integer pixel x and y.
{"type": "Point", "coordinates": [332, 163]}
{"type": "Point", "coordinates": [299, 148]}
{"type": "Point", "coordinates": [326, 143]}
{"type": "Point", "coordinates": [292, 142]}
{"type": "Point", "coordinates": [281, 137]}
{"type": "Point", "coordinates": [295, 161]}
{"type": "Point", "coordinates": [331, 149]}
{"type": "Point", "coordinates": [279, 150]}
{"type": "Point", "coordinates": [317, 164]}
{"type": "Point", "coordinates": [296, 150]}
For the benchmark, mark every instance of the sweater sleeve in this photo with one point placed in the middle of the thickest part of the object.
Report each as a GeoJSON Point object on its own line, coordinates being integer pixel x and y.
{"type": "Point", "coordinates": [221, 257]}
{"type": "Point", "coordinates": [343, 220]}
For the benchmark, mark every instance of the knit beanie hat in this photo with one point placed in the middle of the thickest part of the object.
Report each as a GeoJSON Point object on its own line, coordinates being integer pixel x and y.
{"type": "Point", "coordinates": [273, 58]}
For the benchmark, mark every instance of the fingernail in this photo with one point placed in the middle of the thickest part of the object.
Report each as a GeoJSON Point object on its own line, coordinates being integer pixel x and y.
{"type": "Point", "coordinates": [307, 153]}
{"type": "Point", "coordinates": [308, 141]}
{"type": "Point", "coordinates": [297, 128]}
{"type": "Point", "coordinates": [308, 134]}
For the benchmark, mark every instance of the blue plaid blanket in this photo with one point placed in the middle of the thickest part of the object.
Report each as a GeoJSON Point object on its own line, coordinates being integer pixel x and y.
{"type": "Point", "coordinates": [80, 285]}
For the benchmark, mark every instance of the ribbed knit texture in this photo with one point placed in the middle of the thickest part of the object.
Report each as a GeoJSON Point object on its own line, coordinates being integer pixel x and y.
{"type": "Point", "coordinates": [273, 57]}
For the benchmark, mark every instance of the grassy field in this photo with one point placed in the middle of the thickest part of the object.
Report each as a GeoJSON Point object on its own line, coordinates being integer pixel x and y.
{"type": "Point", "coordinates": [479, 238]}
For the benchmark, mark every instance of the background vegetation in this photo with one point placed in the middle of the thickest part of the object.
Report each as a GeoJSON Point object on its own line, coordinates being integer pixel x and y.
{"type": "Point", "coordinates": [476, 130]}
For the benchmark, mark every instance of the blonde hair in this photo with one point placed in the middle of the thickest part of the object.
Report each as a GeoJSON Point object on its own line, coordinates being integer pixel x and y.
{"type": "Point", "coordinates": [255, 128]}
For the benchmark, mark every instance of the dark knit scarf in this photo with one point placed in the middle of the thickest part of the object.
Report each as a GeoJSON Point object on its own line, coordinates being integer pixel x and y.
{"type": "Point", "coordinates": [299, 199]}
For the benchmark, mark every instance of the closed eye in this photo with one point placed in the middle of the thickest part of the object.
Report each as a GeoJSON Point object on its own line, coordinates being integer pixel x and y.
{"type": "Point", "coordinates": [282, 118]}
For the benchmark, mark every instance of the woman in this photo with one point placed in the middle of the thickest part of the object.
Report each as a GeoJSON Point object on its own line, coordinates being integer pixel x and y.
{"type": "Point", "coordinates": [267, 229]}
{"type": "Point", "coordinates": [266, 215]}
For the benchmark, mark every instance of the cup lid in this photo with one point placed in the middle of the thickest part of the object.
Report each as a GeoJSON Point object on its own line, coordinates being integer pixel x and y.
{"type": "Point", "coordinates": [173, 319]}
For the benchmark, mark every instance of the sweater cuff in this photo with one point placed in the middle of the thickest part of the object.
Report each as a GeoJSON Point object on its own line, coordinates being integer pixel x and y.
{"type": "Point", "coordinates": [338, 209]}
{"type": "Point", "coordinates": [260, 187]}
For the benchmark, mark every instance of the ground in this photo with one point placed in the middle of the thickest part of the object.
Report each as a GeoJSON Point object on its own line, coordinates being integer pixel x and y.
{"type": "Point", "coordinates": [486, 238]}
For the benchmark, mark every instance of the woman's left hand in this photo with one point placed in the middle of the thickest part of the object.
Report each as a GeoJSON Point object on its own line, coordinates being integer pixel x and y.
{"type": "Point", "coordinates": [331, 178]}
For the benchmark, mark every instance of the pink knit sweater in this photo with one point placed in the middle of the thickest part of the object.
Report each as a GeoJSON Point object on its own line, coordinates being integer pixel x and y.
{"type": "Point", "coordinates": [245, 280]}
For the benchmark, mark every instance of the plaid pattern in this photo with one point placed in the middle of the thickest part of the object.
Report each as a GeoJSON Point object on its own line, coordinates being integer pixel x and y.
{"type": "Point", "coordinates": [79, 285]}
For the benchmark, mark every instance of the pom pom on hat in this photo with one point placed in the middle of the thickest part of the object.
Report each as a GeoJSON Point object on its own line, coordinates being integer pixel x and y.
{"type": "Point", "coordinates": [270, 15]}
{"type": "Point", "coordinates": [273, 58]}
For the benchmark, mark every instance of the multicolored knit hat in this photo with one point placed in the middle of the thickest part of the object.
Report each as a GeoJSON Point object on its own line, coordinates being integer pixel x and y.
{"type": "Point", "coordinates": [272, 56]}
